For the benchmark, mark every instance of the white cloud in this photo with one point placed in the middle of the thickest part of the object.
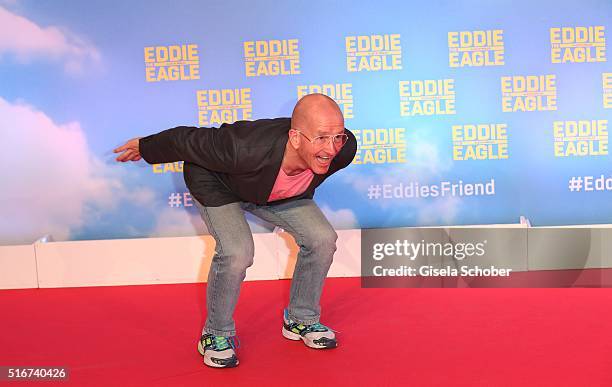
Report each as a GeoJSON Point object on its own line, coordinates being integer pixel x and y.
{"type": "Point", "coordinates": [342, 218]}
{"type": "Point", "coordinates": [438, 211]}
{"type": "Point", "coordinates": [27, 41]}
{"type": "Point", "coordinates": [51, 183]}
{"type": "Point", "coordinates": [172, 222]}
{"type": "Point", "coordinates": [425, 156]}
{"type": "Point", "coordinates": [425, 165]}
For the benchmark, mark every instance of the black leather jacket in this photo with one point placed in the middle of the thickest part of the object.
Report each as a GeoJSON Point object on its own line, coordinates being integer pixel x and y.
{"type": "Point", "coordinates": [235, 162]}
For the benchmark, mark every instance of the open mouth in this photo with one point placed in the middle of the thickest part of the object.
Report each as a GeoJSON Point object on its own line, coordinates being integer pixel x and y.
{"type": "Point", "coordinates": [324, 160]}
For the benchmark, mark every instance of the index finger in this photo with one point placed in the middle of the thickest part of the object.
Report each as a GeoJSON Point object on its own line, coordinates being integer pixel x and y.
{"type": "Point", "coordinates": [121, 148]}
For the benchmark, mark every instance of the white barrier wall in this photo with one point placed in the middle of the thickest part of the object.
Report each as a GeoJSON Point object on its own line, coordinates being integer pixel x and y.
{"type": "Point", "coordinates": [187, 259]}
{"type": "Point", "coordinates": [154, 261]}
{"type": "Point", "coordinates": [18, 267]}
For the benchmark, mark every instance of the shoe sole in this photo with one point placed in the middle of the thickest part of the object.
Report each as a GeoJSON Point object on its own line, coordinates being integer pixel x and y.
{"type": "Point", "coordinates": [209, 362]}
{"type": "Point", "coordinates": [309, 343]}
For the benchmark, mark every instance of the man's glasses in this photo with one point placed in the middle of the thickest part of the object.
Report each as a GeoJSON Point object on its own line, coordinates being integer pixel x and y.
{"type": "Point", "coordinates": [337, 139]}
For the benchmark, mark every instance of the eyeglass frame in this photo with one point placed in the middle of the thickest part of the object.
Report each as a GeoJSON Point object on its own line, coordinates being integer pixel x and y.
{"type": "Point", "coordinates": [330, 136]}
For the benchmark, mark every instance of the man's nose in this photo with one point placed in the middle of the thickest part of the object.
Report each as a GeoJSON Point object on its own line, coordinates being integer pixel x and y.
{"type": "Point", "coordinates": [330, 147]}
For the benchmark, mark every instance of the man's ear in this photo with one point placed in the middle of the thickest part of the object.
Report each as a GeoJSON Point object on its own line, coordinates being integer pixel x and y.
{"type": "Point", "coordinates": [294, 138]}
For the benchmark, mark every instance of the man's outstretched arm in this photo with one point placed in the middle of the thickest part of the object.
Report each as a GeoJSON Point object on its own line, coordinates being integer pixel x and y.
{"type": "Point", "coordinates": [210, 148]}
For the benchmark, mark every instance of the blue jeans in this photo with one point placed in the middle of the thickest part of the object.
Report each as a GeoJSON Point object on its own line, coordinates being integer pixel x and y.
{"type": "Point", "coordinates": [234, 254]}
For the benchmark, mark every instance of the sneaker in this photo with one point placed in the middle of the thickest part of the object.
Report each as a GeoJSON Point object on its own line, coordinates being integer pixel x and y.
{"type": "Point", "coordinates": [218, 351]}
{"type": "Point", "coordinates": [314, 335]}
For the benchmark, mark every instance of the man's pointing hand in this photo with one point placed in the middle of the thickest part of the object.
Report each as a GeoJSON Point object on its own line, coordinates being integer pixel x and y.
{"type": "Point", "coordinates": [131, 151]}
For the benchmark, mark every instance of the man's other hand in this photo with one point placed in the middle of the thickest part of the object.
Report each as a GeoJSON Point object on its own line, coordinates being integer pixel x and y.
{"type": "Point", "coordinates": [131, 151]}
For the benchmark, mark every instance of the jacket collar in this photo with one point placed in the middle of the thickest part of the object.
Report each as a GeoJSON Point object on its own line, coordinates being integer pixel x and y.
{"type": "Point", "coordinates": [273, 165]}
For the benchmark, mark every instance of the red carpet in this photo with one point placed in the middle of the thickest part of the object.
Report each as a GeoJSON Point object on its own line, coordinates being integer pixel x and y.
{"type": "Point", "coordinates": [146, 336]}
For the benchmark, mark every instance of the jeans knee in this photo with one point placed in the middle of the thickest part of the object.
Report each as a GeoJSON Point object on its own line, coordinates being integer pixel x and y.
{"type": "Point", "coordinates": [322, 243]}
{"type": "Point", "coordinates": [238, 257]}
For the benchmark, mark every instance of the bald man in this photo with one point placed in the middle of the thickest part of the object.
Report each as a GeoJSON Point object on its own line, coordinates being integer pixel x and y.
{"type": "Point", "coordinates": [270, 168]}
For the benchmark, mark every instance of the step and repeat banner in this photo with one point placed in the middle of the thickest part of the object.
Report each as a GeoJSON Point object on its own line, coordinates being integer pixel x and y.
{"type": "Point", "coordinates": [466, 112]}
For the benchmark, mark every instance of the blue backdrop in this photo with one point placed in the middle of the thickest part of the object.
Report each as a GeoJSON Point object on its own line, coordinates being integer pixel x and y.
{"type": "Point", "coordinates": [468, 112]}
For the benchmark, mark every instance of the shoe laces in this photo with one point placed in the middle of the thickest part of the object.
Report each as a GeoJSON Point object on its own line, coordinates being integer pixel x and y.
{"type": "Point", "coordinates": [314, 327]}
{"type": "Point", "coordinates": [318, 327]}
{"type": "Point", "coordinates": [222, 342]}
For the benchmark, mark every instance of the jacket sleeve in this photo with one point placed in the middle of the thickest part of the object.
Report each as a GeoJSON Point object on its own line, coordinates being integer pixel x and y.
{"type": "Point", "coordinates": [210, 148]}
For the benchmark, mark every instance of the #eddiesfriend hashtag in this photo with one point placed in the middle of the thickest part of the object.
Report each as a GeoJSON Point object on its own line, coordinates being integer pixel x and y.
{"type": "Point", "coordinates": [175, 199]}
{"type": "Point", "coordinates": [374, 191]}
{"type": "Point", "coordinates": [575, 184]}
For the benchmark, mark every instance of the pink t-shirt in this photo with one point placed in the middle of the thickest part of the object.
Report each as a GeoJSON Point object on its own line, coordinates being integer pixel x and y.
{"type": "Point", "coordinates": [287, 186]}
